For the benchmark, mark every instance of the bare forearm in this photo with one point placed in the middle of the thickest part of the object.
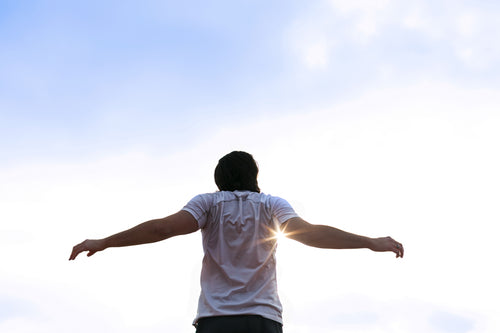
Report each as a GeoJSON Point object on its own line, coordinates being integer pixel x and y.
{"type": "Point", "coordinates": [327, 237]}
{"type": "Point", "coordinates": [147, 232]}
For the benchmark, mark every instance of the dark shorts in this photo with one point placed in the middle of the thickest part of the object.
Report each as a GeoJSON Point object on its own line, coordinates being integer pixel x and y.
{"type": "Point", "coordinates": [238, 324]}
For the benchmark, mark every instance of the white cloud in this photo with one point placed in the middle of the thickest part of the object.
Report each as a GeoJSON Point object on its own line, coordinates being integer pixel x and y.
{"type": "Point", "coordinates": [417, 166]}
{"type": "Point", "coordinates": [310, 44]}
{"type": "Point", "coordinates": [316, 54]}
{"type": "Point", "coordinates": [468, 31]}
{"type": "Point", "coordinates": [347, 7]}
{"type": "Point", "coordinates": [467, 24]}
{"type": "Point", "coordinates": [412, 162]}
{"type": "Point", "coordinates": [366, 16]}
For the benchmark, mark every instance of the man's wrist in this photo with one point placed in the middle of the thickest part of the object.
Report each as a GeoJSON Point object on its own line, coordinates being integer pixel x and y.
{"type": "Point", "coordinates": [103, 244]}
{"type": "Point", "coordinates": [370, 243]}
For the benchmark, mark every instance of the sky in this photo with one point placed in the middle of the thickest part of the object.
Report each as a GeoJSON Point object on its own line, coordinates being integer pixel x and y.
{"type": "Point", "coordinates": [376, 117]}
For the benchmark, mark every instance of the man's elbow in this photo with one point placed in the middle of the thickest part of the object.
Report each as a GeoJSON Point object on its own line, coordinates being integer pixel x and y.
{"type": "Point", "coordinates": [300, 231]}
{"type": "Point", "coordinates": [163, 229]}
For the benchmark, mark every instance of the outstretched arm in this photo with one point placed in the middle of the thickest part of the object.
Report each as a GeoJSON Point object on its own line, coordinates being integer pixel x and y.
{"type": "Point", "coordinates": [327, 237]}
{"type": "Point", "coordinates": [180, 223]}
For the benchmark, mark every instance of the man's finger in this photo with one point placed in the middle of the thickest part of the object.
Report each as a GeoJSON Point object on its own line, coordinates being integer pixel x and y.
{"type": "Point", "coordinates": [73, 255]}
{"type": "Point", "coordinates": [75, 252]}
{"type": "Point", "coordinates": [399, 250]}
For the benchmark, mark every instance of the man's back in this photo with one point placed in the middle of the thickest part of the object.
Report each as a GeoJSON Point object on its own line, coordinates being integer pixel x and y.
{"type": "Point", "coordinates": [239, 240]}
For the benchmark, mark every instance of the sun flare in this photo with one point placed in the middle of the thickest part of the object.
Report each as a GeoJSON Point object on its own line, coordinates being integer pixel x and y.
{"type": "Point", "coordinates": [280, 235]}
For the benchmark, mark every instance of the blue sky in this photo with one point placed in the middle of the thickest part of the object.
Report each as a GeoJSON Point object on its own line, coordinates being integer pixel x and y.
{"type": "Point", "coordinates": [380, 118]}
{"type": "Point", "coordinates": [161, 65]}
{"type": "Point", "coordinates": [81, 74]}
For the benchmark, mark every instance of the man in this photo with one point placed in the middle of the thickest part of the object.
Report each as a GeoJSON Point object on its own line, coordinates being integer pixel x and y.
{"type": "Point", "coordinates": [239, 227]}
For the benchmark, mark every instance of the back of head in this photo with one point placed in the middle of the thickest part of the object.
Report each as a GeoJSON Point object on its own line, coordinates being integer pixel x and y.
{"type": "Point", "coordinates": [237, 171]}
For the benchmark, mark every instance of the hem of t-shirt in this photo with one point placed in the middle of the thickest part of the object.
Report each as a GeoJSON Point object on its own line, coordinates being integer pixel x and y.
{"type": "Point", "coordinates": [287, 217]}
{"type": "Point", "coordinates": [273, 318]}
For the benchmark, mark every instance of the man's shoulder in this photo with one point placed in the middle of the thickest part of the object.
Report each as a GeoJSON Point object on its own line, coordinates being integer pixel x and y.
{"type": "Point", "coordinates": [232, 195]}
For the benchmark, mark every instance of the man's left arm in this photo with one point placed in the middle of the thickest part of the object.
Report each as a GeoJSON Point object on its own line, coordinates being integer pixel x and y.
{"type": "Point", "coordinates": [156, 230]}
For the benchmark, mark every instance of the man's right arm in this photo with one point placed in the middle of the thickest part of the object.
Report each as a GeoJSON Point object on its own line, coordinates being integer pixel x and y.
{"type": "Point", "coordinates": [327, 237]}
{"type": "Point", "coordinates": [180, 223]}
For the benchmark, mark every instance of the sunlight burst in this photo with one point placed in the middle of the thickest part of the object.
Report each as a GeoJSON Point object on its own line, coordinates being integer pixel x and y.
{"type": "Point", "coordinates": [279, 235]}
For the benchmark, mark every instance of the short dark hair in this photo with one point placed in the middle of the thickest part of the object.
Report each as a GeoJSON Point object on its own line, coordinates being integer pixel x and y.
{"type": "Point", "coordinates": [237, 171]}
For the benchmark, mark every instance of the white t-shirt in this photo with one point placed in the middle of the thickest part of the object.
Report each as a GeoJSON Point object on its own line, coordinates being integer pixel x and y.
{"type": "Point", "coordinates": [238, 274]}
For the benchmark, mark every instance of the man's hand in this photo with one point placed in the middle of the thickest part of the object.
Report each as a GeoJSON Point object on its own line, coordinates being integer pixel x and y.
{"type": "Point", "coordinates": [384, 244]}
{"type": "Point", "coordinates": [90, 245]}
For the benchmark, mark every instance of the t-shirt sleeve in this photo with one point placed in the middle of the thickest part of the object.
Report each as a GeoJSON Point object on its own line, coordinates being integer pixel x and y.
{"type": "Point", "coordinates": [198, 207]}
{"type": "Point", "coordinates": [281, 210]}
